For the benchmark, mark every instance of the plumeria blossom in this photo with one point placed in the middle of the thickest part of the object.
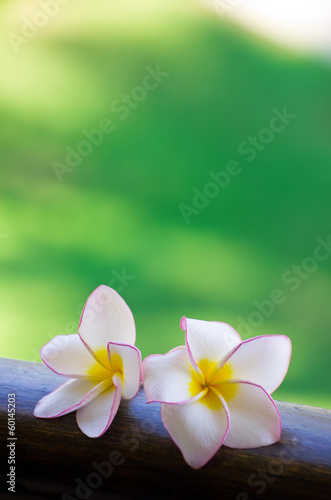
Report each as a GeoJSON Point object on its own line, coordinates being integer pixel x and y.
{"type": "Point", "coordinates": [216, 389]}
{"type": "Point", "coordinates": [101, 362]}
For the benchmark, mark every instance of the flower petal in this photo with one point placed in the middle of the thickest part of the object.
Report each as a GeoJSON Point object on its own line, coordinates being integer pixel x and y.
{"type": "Point", "coordinates": [130, 359]}
{"type": "Point", "coordinates": [95, 418]}
{"type": "Point", "coordinates": [168, 378]}
{"type": "Point", "coordinates": [255, 419]}
{"type": "Point", "coordinates": [69, 396]}
{"type": "Point", "coordinates": [196, 429]}
{"type": "Point", "coordinates": [262, 360]}
{"type": "Point", "coordinates": [106, 318]}
{"type": "Point", "coordinates": [67, 355]}
{"type": "Point", "coordinates": [209, 340]}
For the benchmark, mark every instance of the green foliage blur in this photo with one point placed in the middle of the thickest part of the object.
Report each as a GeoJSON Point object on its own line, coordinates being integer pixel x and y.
{"type": "Point", "coordinates": [117, 217]}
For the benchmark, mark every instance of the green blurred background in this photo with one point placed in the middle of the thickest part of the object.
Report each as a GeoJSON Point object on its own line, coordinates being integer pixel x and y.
{"type": "Point", "coordinates": [117, 213]}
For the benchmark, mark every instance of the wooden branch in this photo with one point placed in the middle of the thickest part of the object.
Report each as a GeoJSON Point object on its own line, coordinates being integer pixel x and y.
{"type": "Point", "coordinates": [136, 459]}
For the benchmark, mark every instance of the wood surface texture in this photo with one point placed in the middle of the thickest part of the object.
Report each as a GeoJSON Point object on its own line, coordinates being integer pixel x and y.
{"type": "Point", "coordinates": [139, 460]}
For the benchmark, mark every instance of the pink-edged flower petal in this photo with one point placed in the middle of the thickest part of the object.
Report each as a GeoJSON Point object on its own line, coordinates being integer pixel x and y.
{"type": "Point", "coordinates": [167, 378]}
{"type": "Point", "coordinates": [106, 318]}
{"type": "Point", "coordinates": [255, 420]}
{"type": "Point", "coordinates": [95, 418]}
{"type": "Point", "coordinates": [262, 360]}
{"type": "Point", "coordinates": [69, 396]}
{"type": "Point", "coordinates": [196, 429]}
{"type": "Point", "coordinates": [127, 358]}
{"type": "Point", "coordinates": [209, 340]}
{"type": "Point", "coordinates": [67, 355]}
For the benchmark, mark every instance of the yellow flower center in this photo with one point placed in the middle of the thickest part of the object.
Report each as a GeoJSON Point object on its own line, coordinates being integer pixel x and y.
{"type": "Point", "coordinates": [215, 381]}
{"type": "Point", "coordinates": [103, 369]}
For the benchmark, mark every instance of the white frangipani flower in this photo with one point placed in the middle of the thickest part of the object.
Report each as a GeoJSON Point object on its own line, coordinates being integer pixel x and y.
{"type": "Point", "coordinates": [101, 362]}
{"type": "Point", "coordinates": [217, 388]}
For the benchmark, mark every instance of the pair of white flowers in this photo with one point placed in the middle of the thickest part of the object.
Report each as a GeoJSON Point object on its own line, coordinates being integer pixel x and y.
{"type": "Point", "coordinates": [214, 390]}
